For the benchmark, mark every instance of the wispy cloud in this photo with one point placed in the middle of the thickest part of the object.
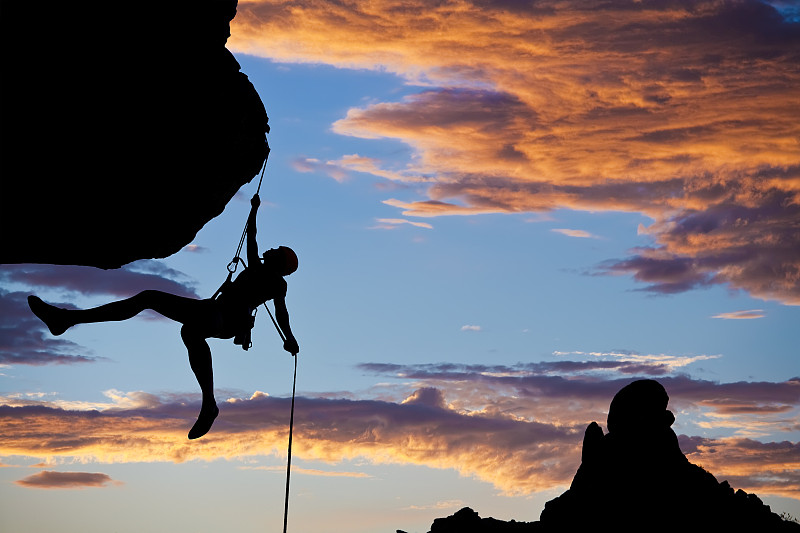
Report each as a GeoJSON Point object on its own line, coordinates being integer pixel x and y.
{"type": "Point", "coordinates": [48, 479]}
{"type": "Point", "coordinates": [195, 248]}
{"type": "Point", "coordinates": [686, 115]}
{"type": "Point", "coordinates": [579, 233]}
{"type": "Point", "coordinates": [393, 223]}
{"type": "Point", "coordinates": [672, 362]}
{"type": "Point", "coordinates": [341, 169]}
{"type": "Point", "coordinates": [468, 327]}
{"type": "Point", "coordinates": [741, 315]}
{"type": "Point", "coordinates": [118, 401]}
{"type": "Point", "coordinates": [329, 168]}
{"type": "Point", "coordinates": [446, 504]}
{"type": "Point", "coordinates": [125, 281]}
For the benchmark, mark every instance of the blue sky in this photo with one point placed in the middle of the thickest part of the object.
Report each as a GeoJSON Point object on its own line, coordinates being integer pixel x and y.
{"type": "Point", "coordinates": [452, 318]}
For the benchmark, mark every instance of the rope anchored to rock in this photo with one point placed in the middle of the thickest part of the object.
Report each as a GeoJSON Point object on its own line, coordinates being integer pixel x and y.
{"type": "Point", "coordinates": [232, 266]}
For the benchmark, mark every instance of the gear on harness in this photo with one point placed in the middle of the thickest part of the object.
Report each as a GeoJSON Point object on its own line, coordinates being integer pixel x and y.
{"type": "Point", "coordinates": [244, 337]}
{"type": "Point", "coordinates": [245, 322]}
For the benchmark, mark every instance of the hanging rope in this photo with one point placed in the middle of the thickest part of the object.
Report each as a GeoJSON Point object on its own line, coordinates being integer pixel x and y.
{"type": "Point", "coordinates": [231, 269]}
{"type": "Point", "coordinates": [289, 461]}
{"type": "Point", "coordinates": [291, 427]}
{"type": "Point", "coordinates": [236, 258]}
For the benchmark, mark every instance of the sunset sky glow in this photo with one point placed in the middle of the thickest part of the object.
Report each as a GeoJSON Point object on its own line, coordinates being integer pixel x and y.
{"type": "Point", "coordinates": [504, 212]}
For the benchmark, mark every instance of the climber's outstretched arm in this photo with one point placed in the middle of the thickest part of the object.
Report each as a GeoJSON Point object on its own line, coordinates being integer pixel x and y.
{"type": "Point", "coordinates": [252, 246]}
{"type": "Point", "coordinates": [282, 317]}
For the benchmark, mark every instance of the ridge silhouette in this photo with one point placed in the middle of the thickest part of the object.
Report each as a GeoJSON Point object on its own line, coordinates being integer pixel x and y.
{"type": "Point", "coordinates": [229, 314]}
{"type": "Point", "coordinates": [635, 478]}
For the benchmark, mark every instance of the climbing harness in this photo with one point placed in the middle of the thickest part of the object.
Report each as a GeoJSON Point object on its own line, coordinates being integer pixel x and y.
{"type": "Point", "coordinates": [246, 343]}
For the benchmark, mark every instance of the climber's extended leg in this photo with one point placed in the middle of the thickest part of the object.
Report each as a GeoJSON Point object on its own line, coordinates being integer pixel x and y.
{"type": "Point", "coordinates": [200, 361]}
{"type": "Point", "coordinates": [178, 308]}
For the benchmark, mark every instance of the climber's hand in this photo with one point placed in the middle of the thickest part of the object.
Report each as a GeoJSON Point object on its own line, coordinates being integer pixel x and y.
{"type": "Point", "coordinates": [291, 346]}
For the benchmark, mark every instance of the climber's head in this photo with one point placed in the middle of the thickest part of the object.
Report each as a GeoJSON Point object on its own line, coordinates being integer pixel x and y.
{"type": "Point", "coordinates": [282, 258]}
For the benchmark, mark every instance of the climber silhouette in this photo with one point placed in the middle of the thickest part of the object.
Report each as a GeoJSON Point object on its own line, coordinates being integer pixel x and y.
{"type": "Point", "coordinates": [227, 314]}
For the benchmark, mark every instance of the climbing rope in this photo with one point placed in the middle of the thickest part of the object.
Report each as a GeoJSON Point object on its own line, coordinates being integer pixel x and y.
{"type": "Point", "coordinates": [231, 269]}
{"type": "Point", "coordinates": [236, 258]}
{"type": "Point", "coordinates": [289, 455]}
{"type": "Point", "coordinates": [291, 429]}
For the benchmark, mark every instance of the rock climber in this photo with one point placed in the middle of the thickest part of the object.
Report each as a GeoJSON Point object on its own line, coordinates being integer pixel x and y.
{"type": "Point", "coordinates": [228, 314]}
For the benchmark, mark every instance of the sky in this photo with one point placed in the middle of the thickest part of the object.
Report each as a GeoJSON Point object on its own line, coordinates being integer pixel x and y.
{"type": "Point", "coordinates": [504, 212]}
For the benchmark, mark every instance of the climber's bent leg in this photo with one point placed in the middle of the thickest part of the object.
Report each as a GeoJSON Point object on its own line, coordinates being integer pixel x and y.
{"type": "Point", "coordinates": [200, 361]}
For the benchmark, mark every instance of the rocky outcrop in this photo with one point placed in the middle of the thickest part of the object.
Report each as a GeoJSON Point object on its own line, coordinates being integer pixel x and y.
{"type": "Point", "coordinates": [636, 474]}
{"type": "Point", "coordinates": [468, 521]}
{"type": "Point", "coordinates": [126, 126]}
{"type": "Point", "coordinates": [635, 478]}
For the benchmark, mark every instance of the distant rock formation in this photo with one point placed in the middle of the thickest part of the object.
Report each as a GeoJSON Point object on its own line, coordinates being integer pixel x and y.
{"type": "Point", "coordinates": [636, 474]}
{"type": "Point", "coordinates": [635, 478]}
{"type": "Point", "coordinates": [126, 126]}
{"type": "Point", "coordinates": [468, 521]}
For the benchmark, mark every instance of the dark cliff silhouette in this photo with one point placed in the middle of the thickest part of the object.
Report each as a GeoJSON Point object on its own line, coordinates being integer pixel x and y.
{"type": "Point", "coordinates": [129, 119]}
{"type": "Point", "coordinates": [635, 478]}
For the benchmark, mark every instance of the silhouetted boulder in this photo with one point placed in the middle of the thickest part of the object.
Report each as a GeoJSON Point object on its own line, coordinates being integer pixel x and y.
{"type": "Point", "coordinates": [126, 126]}
{"type": "Point", "coordinates": [635, 478]}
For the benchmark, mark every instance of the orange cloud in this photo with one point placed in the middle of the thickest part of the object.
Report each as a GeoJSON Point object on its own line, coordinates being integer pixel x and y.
{"type": "Point", "coordinates": [503, 452]}
{"type": "Point", "coordinates": [689, 116]}
{"type": "Point", "coordinates": [508, 427]}
{"type": "Point", "coordinates": [772, 468]}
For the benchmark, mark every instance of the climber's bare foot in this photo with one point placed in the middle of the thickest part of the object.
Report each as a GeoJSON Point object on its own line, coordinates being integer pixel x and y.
{"type": "Point", "coordinates": [54, 317]}
{"type": "Point", "coordinates": [204, 422]}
